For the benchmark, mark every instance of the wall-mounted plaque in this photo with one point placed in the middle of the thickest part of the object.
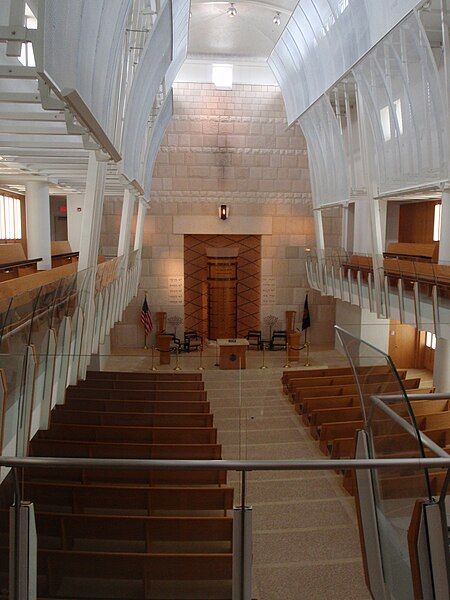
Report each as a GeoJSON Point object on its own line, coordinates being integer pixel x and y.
{"type": "Point", "coordinates": [268, 290]}
{"type": "Point", "coordinates": [176, 290]}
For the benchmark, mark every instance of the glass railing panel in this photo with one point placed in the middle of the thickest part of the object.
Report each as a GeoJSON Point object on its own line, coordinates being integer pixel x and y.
{"type": "Point", "coordinates": [391, 426]}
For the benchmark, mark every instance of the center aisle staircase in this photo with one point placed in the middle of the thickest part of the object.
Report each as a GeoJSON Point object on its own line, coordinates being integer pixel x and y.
{"type": "Point", "coordinates": [131, 534]}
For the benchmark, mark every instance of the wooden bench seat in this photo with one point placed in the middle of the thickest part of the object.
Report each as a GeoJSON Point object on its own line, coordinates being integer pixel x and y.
{"type": "Point", "coordinates": [130, 394]}
{"type": "Point", "coordinates": [299, 384]}
{"type": "Point", "coordinates": [417, 251]}
{"type": "Point", "coordinates": [334, 414]}
{"type": "Point", "coordinates": [14, 263]}
{"type": "Point", "coordinates": [138, 406]}
{"type": "Point", "coordinates": [327, 372]}
{"type": "Point", "coordinates": [141, 529]}
{"type": "Point", "coordinates": [138, 499]}
{"type": "Point", "coordinates": [58, 565]}
{"type": "Point", "coordinates": [152, 375]}
{"type": "Point", "coordinates": [90, 449]}
{"type": "Point", "coordinates": [351, 389]}
{"type": "Point", "coordinates": [63, 415]}
{"type": "Point", "coordinates": [141, 477]}
{"type": "Point", "coordinates": [62, 253]}
{"type": "Point", "coordinates": [130, 434]}
{"type": "Point", "coordinates": [137, 384]}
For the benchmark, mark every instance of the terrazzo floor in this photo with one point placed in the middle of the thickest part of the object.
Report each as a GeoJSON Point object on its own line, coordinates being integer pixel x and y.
{"type": "Point", "coordinates": [305, 537]}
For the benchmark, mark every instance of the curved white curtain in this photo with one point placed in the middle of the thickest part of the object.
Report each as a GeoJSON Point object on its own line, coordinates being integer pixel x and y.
{"type": "Point", "coordinates": [323, 40]}
{"type": "Point", "coordinates": [399, 85]}
{"type": "Point", "coordinates": [153, 64]}
{"type": "Point", "coordinates": [159, 128]}
{"type": "Point", "coordinates": [327, 160]}
{"type": "Point", "coordinates": [81, 45]}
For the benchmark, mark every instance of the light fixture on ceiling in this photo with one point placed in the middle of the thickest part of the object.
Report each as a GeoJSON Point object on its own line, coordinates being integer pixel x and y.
{"type": "Point", "coordinates": [232, 10]}
{"type": "Point", "coordinates": [277, 19]}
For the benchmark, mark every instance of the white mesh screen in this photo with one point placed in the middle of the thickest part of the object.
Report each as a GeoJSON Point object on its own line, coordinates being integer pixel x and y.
{"type": "Point", "coordinates": [399, 85]}
{"type": "Point", "coordinates": [327, 161]}
{"type": "Point", "coordinates": [153, 65]}
{"type": "Point", "coordinates": [159, 128]}
{"type": "Point", "coordinates": [323, 40]}
{"type": "Point", "coordinates": [180, 19]}
{"type": "Point", "coordinates": [82, 41]}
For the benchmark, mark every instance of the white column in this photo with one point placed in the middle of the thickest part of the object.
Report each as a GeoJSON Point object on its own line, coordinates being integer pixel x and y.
{"type": "Point", "coordinates": [92, 213]}
{"type": "Point", "coordinates": [320, 245]}
{"type": "Point", "coordinates": [378, 229]}
{"type": "Point", "coordinates": [125, 223]}
{"type": "Point", "coordinates": [75, 204]}
{"type": "Point", "coordinates": [90, 240]}
{"type": "Point", "coordinates": [444, 244]}
{"type": "Point", "coordinates": [441, 371]}
{"type": "Point", "coordinates": [37, 204]}
{"type": "Point", "coordinates": [139, 235]}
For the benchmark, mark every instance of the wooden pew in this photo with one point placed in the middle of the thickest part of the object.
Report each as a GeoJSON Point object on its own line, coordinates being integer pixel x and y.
{"type": "Point", "coordinates": [89, 449]}
{"type": "Point", "coordinates": [288, 376]}
{"type": "Point", "coordinates": [132, 434]}
{"type": "Point", "coordinates": [144, 395]}
{"type": "Point", "coordinates": [413, 251]}
{"type": "Point", "coordinates": [158, 375]}
{"type": "Point", "coordinates": [62, 253]}
{"type": "Point", "coordinates": [143, 406]}
{"type": "Point", "coordinates": [303, 394]}
{"type": "Point", "coordinates": [135, 384]}
{"type": "Point", "coordinates": [62, 415]}
{"type": "Point", "coordinates": [317, 417]}
{"type": "Point", "coordinates": [145, 530]}
{"type": "Point", "coordinates": [311, 382]}
{"type": "Point", "coordinates": [139, 499]}
{"type": "Point", "coordinates": [14, 263]}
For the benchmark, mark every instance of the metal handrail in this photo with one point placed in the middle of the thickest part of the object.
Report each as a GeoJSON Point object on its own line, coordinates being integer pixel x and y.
{"type": "Point", "coordinates": [226, 465]}
{"type": "Point", "coordinates": [426, 441]}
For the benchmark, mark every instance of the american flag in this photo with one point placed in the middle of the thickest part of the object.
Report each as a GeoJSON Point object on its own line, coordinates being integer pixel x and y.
{"type": "Point", "coordinates": [146, 318]}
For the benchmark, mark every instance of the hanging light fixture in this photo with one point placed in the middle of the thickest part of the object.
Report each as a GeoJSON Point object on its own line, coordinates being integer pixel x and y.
{"type": "Point", "coordinates": [277, 19]}
{"type": "Point", "coordinates": [232, 10]}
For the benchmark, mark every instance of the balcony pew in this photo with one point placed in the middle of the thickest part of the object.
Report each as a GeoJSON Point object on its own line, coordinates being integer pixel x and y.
{"type": "Point", "coordinates": [62, 254]}
{"type": "Point", "coordinates": [14, 263]}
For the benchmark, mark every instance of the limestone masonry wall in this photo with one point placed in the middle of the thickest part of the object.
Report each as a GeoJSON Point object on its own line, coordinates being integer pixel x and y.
{"type": "Point", "coordinates": [227, 147]}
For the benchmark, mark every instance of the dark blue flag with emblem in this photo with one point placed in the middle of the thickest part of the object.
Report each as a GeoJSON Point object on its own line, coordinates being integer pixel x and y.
{"type": "Point", "coordinates": [306, 320]}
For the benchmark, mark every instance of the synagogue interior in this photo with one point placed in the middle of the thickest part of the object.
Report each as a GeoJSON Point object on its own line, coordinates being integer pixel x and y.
{"type": "Point", "coordinates": [224, 300]}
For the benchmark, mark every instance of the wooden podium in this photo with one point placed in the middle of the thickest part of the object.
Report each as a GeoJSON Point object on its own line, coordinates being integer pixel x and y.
{"type": "Point", "coordinates": [294, 341]}
{"type": "Point", "coordinates": [233, 353]}
{"type": "Point", "coordinates": [163, 344]}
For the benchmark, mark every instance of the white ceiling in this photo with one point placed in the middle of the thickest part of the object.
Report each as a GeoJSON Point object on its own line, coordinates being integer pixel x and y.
{"type": "Point", "coordinates": [250, 34]}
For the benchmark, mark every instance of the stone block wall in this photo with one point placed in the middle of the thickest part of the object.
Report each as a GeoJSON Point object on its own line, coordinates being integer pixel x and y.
{"type": "Point", "coordinates": [233, 148]}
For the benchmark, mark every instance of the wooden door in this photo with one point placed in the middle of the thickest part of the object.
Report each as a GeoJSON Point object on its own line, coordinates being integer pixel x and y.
{"type": "Point", "coordinates": [403, 345]}
{"type": "Point", "coordinates": [222, 298]}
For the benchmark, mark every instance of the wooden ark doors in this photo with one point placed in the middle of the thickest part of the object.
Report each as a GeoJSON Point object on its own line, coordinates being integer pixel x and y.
{"type": "Point", "coordinates": [222, 298]}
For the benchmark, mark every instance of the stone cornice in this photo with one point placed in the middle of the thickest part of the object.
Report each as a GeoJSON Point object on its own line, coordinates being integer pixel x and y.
{"type": "Point", "coordinates": [219, 150]}
{"type": "Point", "coordinates": [236, 197]}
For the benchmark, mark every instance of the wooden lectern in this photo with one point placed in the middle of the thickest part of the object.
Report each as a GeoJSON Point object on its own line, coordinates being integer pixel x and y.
{"type": "Point", "coordinates": [294, 343]}
{"type": "Point", "coordinates": [232, 353]}
{"type": "Point", "coordinates": [163, 344]}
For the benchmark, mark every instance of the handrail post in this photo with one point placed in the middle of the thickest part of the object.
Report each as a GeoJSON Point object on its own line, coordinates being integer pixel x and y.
{"type": "Point", "coordinates": [242, 547]}
{"type": "Point", "coordinates": [153, 368]}
{"type": "Point", "coordinates": [22, 547]}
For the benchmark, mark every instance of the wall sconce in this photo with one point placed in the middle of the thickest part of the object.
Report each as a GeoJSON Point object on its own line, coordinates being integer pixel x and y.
{"type": "Point", "coordinates": [224, 212]}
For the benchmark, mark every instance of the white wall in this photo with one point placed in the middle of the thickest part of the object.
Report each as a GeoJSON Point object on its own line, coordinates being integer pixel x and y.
{"type": "Point", "coordinates": [75, 204]}
{"type": "Point", "coordinates": [200, 71]}
{"type": "Point", "coordinates": [363, 324]}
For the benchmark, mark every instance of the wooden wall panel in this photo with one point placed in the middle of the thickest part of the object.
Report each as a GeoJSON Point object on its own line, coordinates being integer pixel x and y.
{"type": "Point", "coordinates": [416, 222]}
{"type": "Point", "coordinates": [248, 275]}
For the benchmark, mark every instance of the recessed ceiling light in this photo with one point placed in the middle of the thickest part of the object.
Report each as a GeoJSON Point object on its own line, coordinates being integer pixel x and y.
{"type": "Point", "coordinates": [232, 10]}
{"type": "Point", "coordinates": [277, 19]}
